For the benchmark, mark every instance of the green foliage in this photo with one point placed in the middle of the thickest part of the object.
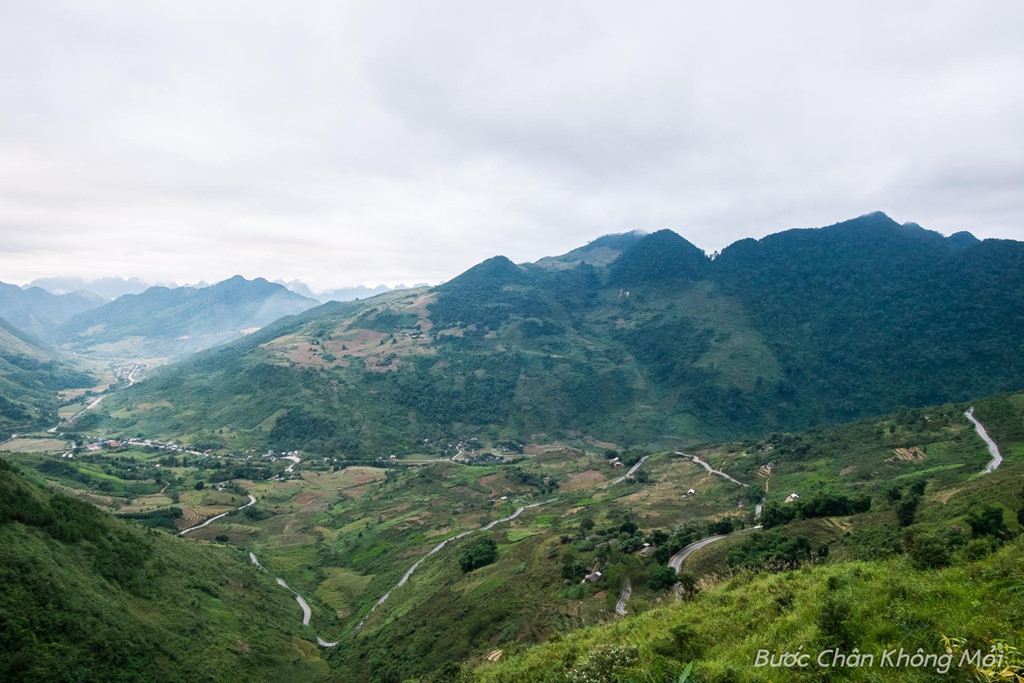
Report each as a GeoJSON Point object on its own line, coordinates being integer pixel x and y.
{"type": "Point", "coordinates": [906, 511]}
{"type": "Point", "coordinates": [770, 549]}
{"type": "Point", "coordinates": [87, 597]}
{"type": "Point", "coordinates": [661, 577]}
{"type": "Point", "coordinates": [906, 303]}
{"type": "Point", "coordinates": [834, 621]}
{"type": "Point", "coordinates": [158, 519]}
{"type": "Point", "coordinates": [929, 551]}
{"type": "Point", "coordinates": [478, 553]}
{"type": "Point", "coordinates": [603, 664]}
{"type": "Point", "coordinates": [823, 504]}
{"type": "Point", "coordinates": [987, 521]}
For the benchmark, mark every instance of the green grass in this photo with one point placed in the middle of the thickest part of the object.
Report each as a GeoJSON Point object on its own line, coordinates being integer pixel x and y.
{"type": "Point", "coordinates": [889, 605]}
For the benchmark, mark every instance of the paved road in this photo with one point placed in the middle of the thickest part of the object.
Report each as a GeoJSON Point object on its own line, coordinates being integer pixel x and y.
{"type": "Point", "coordinates": [486, 527]}
{"type": "Point", "coordinates": [442, 544]}
{"type": "Point", "coordinates": [709, 468]}
{"type": "Point", "coordinates": [627, 590]}
{"type": "Point", "coordinates": [676, 561]}
{"type": "Point", "coordinates": [252, 501]}
{"type": "Point", "coordinates": [993, 449]}
{"type": "Point", "coordinates": [630, 472]}
{"type": "Point", "coordinates": [306, 611]}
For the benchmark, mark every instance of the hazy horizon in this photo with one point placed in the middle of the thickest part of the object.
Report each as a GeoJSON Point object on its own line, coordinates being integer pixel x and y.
{"type": "Point", "coordinates": [360, 142]}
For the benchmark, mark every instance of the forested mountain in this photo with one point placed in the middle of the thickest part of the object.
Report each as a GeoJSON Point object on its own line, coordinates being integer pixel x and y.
{"type": "Point", "coordinates": [172, 322]}
{"type": "Point", "coordinates": [87, 597]}
{"type": "Point", "coordinates": [30, 376]}
{"type": "Point", "coordinates": [631, 338]}
{"type": "Point", "coordinates": [38, 312]}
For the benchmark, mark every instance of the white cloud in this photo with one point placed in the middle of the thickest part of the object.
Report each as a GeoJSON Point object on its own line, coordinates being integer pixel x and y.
{"type": "Point", "coordinates": [385, 142]}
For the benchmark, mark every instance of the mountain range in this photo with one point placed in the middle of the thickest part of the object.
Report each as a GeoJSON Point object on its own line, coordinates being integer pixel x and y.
{"type": "Point", "coordinates": [38, 312]}
{"type": "Point", "coordinates": [632, 339]}
{"type": "Point", "coordinates": [173, 322]}
{"type": "Point", "coordinates": [424, 484]}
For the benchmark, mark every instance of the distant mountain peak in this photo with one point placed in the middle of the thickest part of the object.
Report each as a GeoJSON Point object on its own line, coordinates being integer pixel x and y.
{"type": "Point", "coordinates": [962, 239]}
{"type": "Point", "coordinates": [659, 257]}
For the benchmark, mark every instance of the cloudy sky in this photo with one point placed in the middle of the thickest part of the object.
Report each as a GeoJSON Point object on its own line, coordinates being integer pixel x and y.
{"type": "Point", "coordinates": [345, 143]}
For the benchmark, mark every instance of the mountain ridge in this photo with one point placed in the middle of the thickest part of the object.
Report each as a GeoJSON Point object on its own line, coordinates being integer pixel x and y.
{"type": "Point", "coordinates": [800, 328]}
{"type": "Point", "coordinates": [172, 322]}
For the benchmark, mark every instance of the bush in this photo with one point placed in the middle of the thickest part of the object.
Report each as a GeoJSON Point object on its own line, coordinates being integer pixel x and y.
{"type": "Point", "coordinates": [479, 553]}
{"type": "Point", "coordinates": [661, 577]}
{"type": "Point", "coordinates": [987, 521]}
{"type": "Point", "coordinates": [929, 552]}
{"type": "Point", "coordinates": [834, 620]}
{"type": "Point", "coordinates": [907, 510]}
{"type": "Point", "coordinates": [604, 664]}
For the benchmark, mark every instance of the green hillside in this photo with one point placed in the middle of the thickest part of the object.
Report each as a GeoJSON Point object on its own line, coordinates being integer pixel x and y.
{"type": "Point", "coordinates": [86, 597]}
{"type": "Point", "coordinates": [634, 339]}
{"type": "Point", "coordinates": [875, 607]}
{"type": "Point", "coordinates": [30, 377]}
{"type": "Point", "coordinates": [167, 322]}
{"type": "Point", "coordinates": [38, 312]}
{"type": "Point", "coordinates": [900, 496]}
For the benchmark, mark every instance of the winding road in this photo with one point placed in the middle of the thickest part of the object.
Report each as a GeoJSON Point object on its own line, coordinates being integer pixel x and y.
{"type": "Point", "coordinates": [676, 561]}
{"type": "Point", "coordinates": [993, 449]}
{"type": "Point", "coordinates": [486, 527]}
{"type": "Point", "coordinates": [436, 548]}
{"type": "Point", "coordinates": [627, 590]}
{"type": "Point", "coordinates": [629, 473]}
{"type": "Point", "coordinates": [307, 613]}
{"type": "Point", "coordinates": [709, 468]}
{"type": "Point", "coordinates": [252, 501]}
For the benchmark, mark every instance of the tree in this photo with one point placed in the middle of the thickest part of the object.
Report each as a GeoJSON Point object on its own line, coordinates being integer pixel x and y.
{"type": "Point", "coordinates": [988, 521]}
{"type": "Point", "coordinates": [479, 553]}
{"type": "Point", "coordinates": [200, 485]}
{"type": "Point", "coordinates": [929, 552]}
{"type": "Point", "coordinates": [661, 577]}
{"type": "Point", "coordinates": [907, 510]}
{"type": "Point", "coordinates": [573, 568]}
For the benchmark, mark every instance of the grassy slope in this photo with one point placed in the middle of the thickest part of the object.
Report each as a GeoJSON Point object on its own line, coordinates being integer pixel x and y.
{"type": "Point", "coordinates": [890, 605]}
{"type": "Point", "coordinates": [884, 601]}
{"type": "Point", "coordinates": [88, 597]}
{"type": "Point", "coordinates": [30, 376]}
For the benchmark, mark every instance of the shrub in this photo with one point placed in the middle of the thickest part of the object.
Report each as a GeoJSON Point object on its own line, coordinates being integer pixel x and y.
{"type": "Point", "coordinates": [603, 664]}
{"type": "Point", "coordinates": [480, 553]}
{"type": "Point", "coordinates": [929, 552]}
{"type": "Point", "coordinates": [987, 521]}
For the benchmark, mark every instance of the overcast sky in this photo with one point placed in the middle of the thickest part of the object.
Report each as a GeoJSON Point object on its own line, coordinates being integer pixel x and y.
{"type": "Point", "coordinates": [345, 143]}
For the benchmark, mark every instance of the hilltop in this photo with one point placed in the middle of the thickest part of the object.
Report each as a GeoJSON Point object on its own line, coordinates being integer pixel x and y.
{"type": "Point", "coordinates": [37, 312]}
{"type": "Point", "coordinates": [631, 339]}
{"type": "Point", "coordinates": [164, 322]}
